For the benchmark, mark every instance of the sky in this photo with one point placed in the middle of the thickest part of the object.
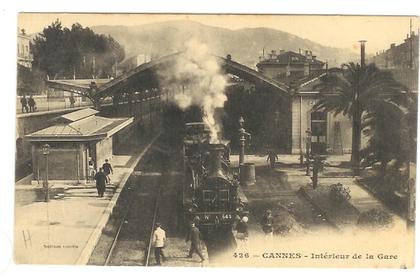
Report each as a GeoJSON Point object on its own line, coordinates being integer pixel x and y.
{"type": "Point", "coordinates": [334, 31]}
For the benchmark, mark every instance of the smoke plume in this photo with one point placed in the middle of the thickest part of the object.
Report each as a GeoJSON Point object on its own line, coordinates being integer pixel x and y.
{"type": "Point", "coordinates": [196, 79]}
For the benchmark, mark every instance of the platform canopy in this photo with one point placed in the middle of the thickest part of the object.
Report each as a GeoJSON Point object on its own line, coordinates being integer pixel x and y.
{"type": "Point", "coordinates": [145, 77]}
{"type": "Point", "coordinates": [82, 125]}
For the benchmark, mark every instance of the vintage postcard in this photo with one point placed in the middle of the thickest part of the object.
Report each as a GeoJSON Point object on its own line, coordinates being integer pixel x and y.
{"type": "Point", "coordinates": [216, 140]}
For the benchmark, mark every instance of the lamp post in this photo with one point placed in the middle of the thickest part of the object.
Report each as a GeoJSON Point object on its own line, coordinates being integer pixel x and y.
{"type": "Point", "coordinates": [242, 138]}
{"type": "Point", "coordinates": [46, 152]}
{"type": "Point", "coordinates": [308, 147]}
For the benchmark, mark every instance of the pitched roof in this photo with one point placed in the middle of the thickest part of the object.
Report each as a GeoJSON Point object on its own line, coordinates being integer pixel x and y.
{"type": "Point", "coordinates": [290, 57]}
{"type": "Point", "coordinates": [76, 115]}
{"type": "Point", "coordinates": [91, 127]}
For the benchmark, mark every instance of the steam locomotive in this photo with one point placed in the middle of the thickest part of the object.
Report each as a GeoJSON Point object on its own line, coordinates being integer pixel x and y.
{"type": "Point", "coordinates": [210, 193]}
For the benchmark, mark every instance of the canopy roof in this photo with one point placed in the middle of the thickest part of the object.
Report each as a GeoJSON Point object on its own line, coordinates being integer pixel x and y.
{"type": "Point", "coordinates": [86, 126]}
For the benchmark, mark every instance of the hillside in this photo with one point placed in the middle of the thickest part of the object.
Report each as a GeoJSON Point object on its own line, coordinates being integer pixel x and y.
{"type": "Point", "coordinates": [245, 45]}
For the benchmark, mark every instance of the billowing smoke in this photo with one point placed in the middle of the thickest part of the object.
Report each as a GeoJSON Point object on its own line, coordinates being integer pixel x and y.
{"type": "Point", "coordinates": [197, 80]}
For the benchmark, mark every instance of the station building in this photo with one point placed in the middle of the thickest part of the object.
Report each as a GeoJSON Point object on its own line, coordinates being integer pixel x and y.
{"type": "Point", "coordinates": [73, 140]}
{"type": "Point", "coordinates": [301, 71]}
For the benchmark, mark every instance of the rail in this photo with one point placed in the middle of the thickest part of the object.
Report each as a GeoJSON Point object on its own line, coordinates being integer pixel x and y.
{"type": "Point", "coordinates": [155, 214]}
{"type": "Point", "coordinates": [115, 240]}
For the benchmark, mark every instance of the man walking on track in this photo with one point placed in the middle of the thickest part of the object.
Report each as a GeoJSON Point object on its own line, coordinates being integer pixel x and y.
{"type": "Point", "coordinates": [195, 237]}
{"type": "Point", "coordinates": [158, 241]}
{"type": "Point", "coordinates": [101, 181]}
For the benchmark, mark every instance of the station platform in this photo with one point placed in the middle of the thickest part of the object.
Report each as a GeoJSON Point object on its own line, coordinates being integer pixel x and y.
{"type": "Point", "coordinates": [295, 178]}
{"type": "Point", "coordinates": [65, 230]}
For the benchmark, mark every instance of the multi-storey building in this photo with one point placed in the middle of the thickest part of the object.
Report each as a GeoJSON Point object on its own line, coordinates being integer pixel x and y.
{"type": "Point", "coordinates": [402, 61]}
{"type": "Point", "coordinates": [301, 71]}
{"type": "Point", "coordinates": [24, 56]}
{"type": "Point", "coordinates": [289, 65]}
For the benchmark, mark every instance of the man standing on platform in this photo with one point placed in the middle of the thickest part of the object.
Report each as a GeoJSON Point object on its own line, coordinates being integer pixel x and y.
{"type": "Point", "coordinates": [31, 103]}
{"type": "Point", "coordinates": [101, 181]}
{"type": "Point", "coordinates": [272, 157]}
{"type": "Point", "coordinates": [107, 170]}
{"type": "Point", "coordinates": [24, 103]}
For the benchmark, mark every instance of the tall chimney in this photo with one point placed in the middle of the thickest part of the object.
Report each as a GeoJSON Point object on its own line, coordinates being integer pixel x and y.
{"type": "Point", "coordinates": [362, 53]}
{"type": "Point", "coordinates": [216, 160]}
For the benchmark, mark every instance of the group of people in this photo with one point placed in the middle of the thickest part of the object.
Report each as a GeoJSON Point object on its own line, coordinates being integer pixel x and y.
{"type": "Point", "coordinates": [159, 243]}
{"type": "Point", "coordinates": [194, 236]}
{"type": "Point", "coordinates": [101, 177]}
{"type": "Point", "coordinates": [241, 228]}
{"type": "Point", "coordinates": [28, 104]}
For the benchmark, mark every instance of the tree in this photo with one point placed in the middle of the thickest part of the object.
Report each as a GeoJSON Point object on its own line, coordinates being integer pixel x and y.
{"type": "Point", "coordinates": [77, 52]}
{"type": "Point", "coordinates": [392, 129]}
{"type": "Point", "coordinates": [48, 49]}
{"type": "Point", "coordinates": [29, 81]}
{"type": "Point", "coordinates": [353, 92]}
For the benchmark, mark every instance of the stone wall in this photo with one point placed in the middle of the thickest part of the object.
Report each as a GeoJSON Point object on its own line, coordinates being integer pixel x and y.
{"type": "Point", "coordinates": [64, 163]}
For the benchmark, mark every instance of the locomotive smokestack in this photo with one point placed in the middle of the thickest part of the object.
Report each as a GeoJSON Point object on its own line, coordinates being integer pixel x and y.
{"type": "Point", "coordinates": [216, 160]}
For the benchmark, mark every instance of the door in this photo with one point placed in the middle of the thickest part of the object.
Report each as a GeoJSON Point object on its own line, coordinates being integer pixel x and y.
{"type": "Point", "coordinates": [319, 132]}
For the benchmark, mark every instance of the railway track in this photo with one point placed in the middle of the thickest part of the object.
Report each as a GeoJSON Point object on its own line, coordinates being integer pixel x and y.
{"type": "Point", "coordinates": [142, 223]}
{"type": "Point", "coordinates": [148, 198]}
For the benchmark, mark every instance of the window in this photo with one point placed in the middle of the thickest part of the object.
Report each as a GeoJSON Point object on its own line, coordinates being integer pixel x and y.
{"type": "Point", "coordinates": [224, 195]}
{"type": "Point", "coordinates": [208, 196]}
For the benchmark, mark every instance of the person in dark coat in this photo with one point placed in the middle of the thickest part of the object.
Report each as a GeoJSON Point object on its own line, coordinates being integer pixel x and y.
{"type": "Point", "coordinates": [272, 157]}
{"type": "Point", "coordinates": [31, 103]}
{"type": "Point", "coordinates": [267, 224]}
{"type": "Point", "coordinates": [107, 170]}
{"type": "Point", "coordinates": [72, 101]}
{"type": "Point", "coordinates": [24, 104]}
{"type": "Point", "coordinates": [101, 181]}
{"type": "Point", "coordinates": [242, 233]}
{"type": "Point", "coordinates": [194, 236]}
{"type": "Point", "coordinates": [242, 228]}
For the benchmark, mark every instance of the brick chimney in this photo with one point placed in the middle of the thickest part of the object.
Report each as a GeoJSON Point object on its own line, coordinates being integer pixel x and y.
{"type": "Point", "coordinates": [362, 52]}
